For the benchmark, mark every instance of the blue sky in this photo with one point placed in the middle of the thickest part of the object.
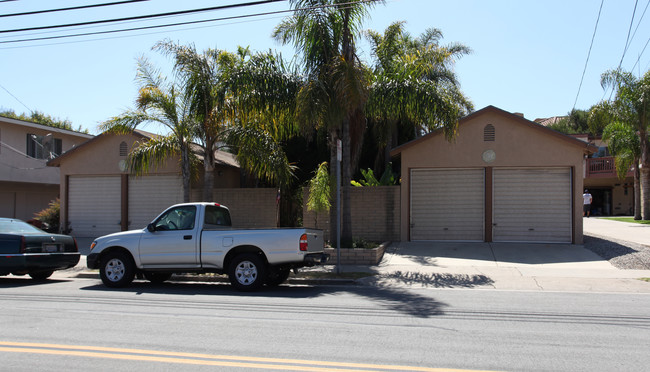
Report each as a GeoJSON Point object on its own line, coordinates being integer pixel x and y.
{"type": "Point", "coordinates": [528, 56]}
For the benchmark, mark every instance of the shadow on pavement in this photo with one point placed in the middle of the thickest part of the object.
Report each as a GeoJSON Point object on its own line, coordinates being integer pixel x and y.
{"type": "Point", "coordinates": [17, 282]}
{"type": "Point", "coordinates": [440, 280]}
{"type": "Point", "coordinates": [399, 300]}
{"type": "Point", "coordinates": [625, 255]}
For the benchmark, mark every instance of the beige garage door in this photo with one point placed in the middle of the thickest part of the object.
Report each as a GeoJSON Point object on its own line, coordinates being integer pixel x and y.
{"type": "Point", "coordinates": [94, 205]}
{"type": "Point", "coordinates": [532, 205]}
{"type": "Point", "coordinates": [447, 204]}
{"type": "Point", "coordinates": [150, 195]}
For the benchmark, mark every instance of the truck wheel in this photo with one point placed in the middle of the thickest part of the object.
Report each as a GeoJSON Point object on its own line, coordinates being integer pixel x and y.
{"type": "Point", "coordinates": [247, 272]}
{"type": "Point", "coordinates": [116, 270]}
{"type": "Point", "coordinates": [277, 277]}
{"type": "Point", "coordinates": [157, 278]}
{"type": "Point", "coordinates": [41, 275]}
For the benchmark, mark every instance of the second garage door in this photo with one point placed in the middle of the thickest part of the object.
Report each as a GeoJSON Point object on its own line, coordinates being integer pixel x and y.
{"type": "Point", "coordinates": [150, 195]}
{"type": "Point", "coordinates": [447, 204]}
{"type": "Point", "coordinates": [532, 205]}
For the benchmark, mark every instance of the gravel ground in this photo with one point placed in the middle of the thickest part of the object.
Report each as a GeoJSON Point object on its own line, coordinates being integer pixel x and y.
{"type": "Point", "coordinates": [621, 254]}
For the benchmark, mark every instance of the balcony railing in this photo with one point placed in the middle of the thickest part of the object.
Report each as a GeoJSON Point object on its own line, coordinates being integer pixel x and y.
{"type": "Point", "coordinates": [603, 167]}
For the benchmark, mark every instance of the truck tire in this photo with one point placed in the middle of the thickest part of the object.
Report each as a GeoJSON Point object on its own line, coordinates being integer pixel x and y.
{"type": "Point", "coordinates": [116, 270]}
{"type": "Point", "coordinates": [247, 272]}
{"type": "Point", "coordinates": [277, 277]}
{"type": "Point", "coordinates": [157, 278]}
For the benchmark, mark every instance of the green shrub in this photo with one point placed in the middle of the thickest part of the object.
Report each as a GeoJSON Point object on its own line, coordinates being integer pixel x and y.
{"type": "Point", "coordinates": [49, 217]}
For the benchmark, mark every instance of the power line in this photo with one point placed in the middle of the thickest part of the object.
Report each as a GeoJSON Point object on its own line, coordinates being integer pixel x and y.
{"type": "Point", "coordinates": [637, 27]}
{"type": "Point", "coordinates": [627, 42]}
{"type": "Point", "coordinates": [178, 23]}
{"type": "Point", "coordinates": [642, 51]}
{"type": "Point", "coordinates": [593, 36]}
{"type": "Point", "coordinates": [71, 8]}
{"type": "Point", "coordinates": [148, 16]}
{"type": "Point", "coordinates": [16, 98]}
{"type": "Point", "coordinates": [146, 27]}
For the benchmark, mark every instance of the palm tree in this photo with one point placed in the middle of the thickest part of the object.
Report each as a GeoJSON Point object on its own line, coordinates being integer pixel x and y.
{"type": "Point", "coordinates": [631, 106]}
{"type": "Point", "coordinates": [414, 87]}
{"type": "Point", "coordinates": [235, 109]}
{"type": "Point", "coordinates": [158, 102]}
{"type": "Point", "coordinates": [624, 144]}
{"type": "Point", "coordinates": [201, 74]}
{"type": "Point", "coordinates": [261, 97]}
{"type": "Point", "coordinates": [336, 84]}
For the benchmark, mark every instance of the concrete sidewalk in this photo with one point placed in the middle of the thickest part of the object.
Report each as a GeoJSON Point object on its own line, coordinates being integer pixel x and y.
{"type": "Point", "coordinates": [621, 231]}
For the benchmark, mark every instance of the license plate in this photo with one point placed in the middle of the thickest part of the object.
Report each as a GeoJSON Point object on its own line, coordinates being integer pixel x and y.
{"type": "Point", "coordinates": [50, 248]}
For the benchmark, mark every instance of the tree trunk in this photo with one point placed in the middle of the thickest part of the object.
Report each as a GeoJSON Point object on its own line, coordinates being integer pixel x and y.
{"type": "Point", "coordinates": [185, 173]}
{"type": "Point", "coordinates": [637, 190]}
{"type": "Point", "coordinates": [645, 191]}
{"type": "Point", "coordinates": [208, 172]}
{"type": "Point", "coordinates": [346, 178]}
{"type": "Point", "coordinates": [333, 138]}
{"type": "Point", "coordinates": [645, 174]}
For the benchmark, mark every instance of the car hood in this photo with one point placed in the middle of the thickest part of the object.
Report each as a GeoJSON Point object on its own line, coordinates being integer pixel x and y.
{"type": "Point", "coordinates": [119, 236]}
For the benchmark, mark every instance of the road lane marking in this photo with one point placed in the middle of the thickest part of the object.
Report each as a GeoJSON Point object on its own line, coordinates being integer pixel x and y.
{"type": "Point", "coordinates": [205, 359]}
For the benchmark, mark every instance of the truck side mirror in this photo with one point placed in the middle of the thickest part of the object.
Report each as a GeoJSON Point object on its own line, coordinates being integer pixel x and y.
{"type": "Point", "coordinates": [151, 228]}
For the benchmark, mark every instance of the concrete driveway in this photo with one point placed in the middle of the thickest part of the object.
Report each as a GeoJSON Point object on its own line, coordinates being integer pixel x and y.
{"type": "Point", "coordinates": [513, 266]}
{"type": "Point", "coordinates": [462, 254]}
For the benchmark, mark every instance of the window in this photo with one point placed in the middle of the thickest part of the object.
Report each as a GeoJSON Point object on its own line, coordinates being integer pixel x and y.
{"type": "Point", "coordinates": [489, 134]}
{"type": "Point", "coordinates": [179, 218]}
{"type": "Point", "coordinates": [603, 151]}
{"type": "Point", "coordinates": [124, 151]}
{"type": "Point", "coordinates": [43, 147]}
{"type": "Point", "coordinates": [217, 216]}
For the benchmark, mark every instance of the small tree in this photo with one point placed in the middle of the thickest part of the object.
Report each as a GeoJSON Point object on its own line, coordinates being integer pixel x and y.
{"type": "Point", "coordinates": [319, 192]}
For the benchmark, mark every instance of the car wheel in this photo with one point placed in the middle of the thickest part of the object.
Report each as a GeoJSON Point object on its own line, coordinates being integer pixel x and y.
{"type": "Point", "coordinates": [41, 275]}
{"type": "Point", "coordinates": [157, 278]}
{"type": "Point", "coordinates": [116, 270]}
{"type": "Point", "coordinates": [277, 277]}
{"type": "Point", "coordinates": [247, 272]}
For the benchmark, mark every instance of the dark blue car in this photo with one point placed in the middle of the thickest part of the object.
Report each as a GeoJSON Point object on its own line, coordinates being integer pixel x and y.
{"type": "Point", "coordinates": [25, 249]}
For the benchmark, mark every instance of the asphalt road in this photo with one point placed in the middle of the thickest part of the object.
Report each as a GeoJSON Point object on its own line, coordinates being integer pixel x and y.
{"type": "Point", "coordinates": [81, 325]}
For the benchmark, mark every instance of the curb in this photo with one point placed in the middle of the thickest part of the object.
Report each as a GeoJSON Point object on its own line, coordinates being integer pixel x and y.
{"type": "Point", "coordinates": [224, 279]}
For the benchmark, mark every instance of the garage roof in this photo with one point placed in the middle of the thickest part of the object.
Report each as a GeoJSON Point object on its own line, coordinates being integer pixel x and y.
{"type": "Point", "coordinates": [588, 148]}
{"type": "Point", "coordinates": [221, 157]}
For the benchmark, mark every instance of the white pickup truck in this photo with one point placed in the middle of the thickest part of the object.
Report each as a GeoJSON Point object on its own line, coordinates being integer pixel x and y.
{"type": "Point", "coordinates": [199, 238]}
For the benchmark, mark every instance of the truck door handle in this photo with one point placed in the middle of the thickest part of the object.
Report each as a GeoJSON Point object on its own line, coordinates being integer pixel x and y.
{"type": "Point", "coordinates": [187, 237]}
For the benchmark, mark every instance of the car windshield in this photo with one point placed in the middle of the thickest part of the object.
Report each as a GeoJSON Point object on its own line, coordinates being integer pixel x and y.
{"type": "Point", "coordinates": [10, 226]}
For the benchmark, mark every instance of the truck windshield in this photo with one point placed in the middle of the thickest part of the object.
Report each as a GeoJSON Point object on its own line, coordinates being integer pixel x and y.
{"type": "Point", "coordinates": [179, 218]}
{"type": "Point", "coordinates": [216, 216]}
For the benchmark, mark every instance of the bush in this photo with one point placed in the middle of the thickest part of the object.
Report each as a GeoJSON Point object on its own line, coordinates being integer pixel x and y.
{"type": "Point", "coordinates": [49, 217]}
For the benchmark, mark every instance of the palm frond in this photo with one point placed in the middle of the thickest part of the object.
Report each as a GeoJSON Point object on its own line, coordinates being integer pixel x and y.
{"type": "Point", "coordinates": [148, 155]}
{"type": "Point", "coordinates": [259, 154]}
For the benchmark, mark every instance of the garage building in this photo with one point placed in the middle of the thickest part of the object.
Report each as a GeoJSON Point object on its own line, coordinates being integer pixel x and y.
{"type": "Point", "coordinates": [503, 179]}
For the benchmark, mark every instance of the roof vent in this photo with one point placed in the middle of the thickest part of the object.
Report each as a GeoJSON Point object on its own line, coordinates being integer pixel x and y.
{"type": "Point", "coordinates": [124, 151]}
{"type": "Point", "coordinates": [489, 133]}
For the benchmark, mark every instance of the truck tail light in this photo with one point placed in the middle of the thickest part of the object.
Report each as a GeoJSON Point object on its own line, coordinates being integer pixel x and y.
{"type": "Point", "coordinates": [303, 242]}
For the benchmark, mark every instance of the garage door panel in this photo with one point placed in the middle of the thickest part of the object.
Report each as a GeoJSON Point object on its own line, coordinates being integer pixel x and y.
{"type": "Point", "coordinates": [94, 205]}
{"type": "Point", "coordinates": [447, 204]}
{"type": "Point", "coordinates": [532, 205]}
{"type": "Point", "coordinates": [150, 195]}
